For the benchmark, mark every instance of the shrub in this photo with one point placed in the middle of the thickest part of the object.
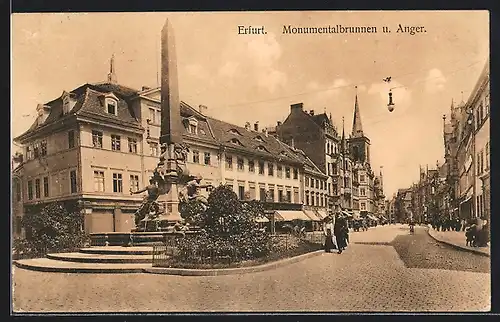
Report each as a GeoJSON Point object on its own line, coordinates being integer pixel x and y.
{"type": "Point", "coordinates": [52, 228]}
{"type": "Point", "coordinates": [228, 228]}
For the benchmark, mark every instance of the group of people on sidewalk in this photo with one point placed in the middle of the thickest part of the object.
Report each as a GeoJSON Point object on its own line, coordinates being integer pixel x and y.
{"type": "Point", "coordinates": [336, 232]}
{"type": "Point", "coordinates": [477, 230]}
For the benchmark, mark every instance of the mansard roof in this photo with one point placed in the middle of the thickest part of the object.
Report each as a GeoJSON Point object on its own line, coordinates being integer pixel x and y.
{"type": "Point", "coordinates": [89, 104]}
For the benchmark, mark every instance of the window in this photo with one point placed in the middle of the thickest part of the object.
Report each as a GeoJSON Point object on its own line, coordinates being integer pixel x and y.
{"type": "Point", "coordinates": [72, 177]}
{"type": "Point", "coordinates": [280, 194]}
{"type": "Point", "coordinates": [252, 191]}
{"type": "Point", "coordinates": [196, 156]}
{"type": "Point", "coordinates": [240, 164]}
{"type": "Point", "coordinates": [362, 191]}
{"type": "Point", "coordinates": [295, 174]}
{"type": "Point", "coordinates": [482, 161]}
{"type": "Point", "coordinates": [192, 128]}
{"type": "Point", "coordinates": [363, 206]}
{"type": "Point", "coordinates": [117, 182]}
{"type": "Point", "coordinates": [18, 190]}
{"type": "Point", "coordinates": [307, 198]}
{"type": "Point", "coordinates": [270, 169]}
{"type": "Point", "coordinates": [111, 105]}
{"type": "Point", "coordinates": [115, 142]}
{"type": "Point", "coordinates": [229, 162]}
{"type": "Point", "coordinates": [361, 178]}
{"type": "Point", "coordinates": [97, 139]}
{"type": "Point", "coordinates": [29, 156]}
{"type": "Point", "coordinates": [478, 167]}
{"type": "Point", "coordinates": [134, 182]}
{"type": "Point", "coordinates": [280, 171]}
{"type": "Point", "coordinates": [287, 172]}
{"type": "Point", "coordinates": [317, 199]}
{"type": "Point", "coordinates": [262, 194]}
{"type": "Point", "coordinates": [307, 181]}
{"type": "Point", "coordinates": [288, 196]}
{"type": "Point", "coordinates": [261, 167]}
{"type": "Point", "coordinates": [317, 183]}
{"type": "Point", "coordinates": [487, 155]}
{"type": "Point", "coordinates": [99, 181]}
{"type": "Point", "coordinates": [153, 149]}
{"type": "Point", "coordinates": [43, 148]}
{"type": "Point", "coordinates": [132, 145]}
{"type": "Point", "coordinates": [329, 188]}
{"type": "Point", "coordinates": [271, 194]}
{"type": "Point", "coordinates": [36, 150]}
{"type": "Point", "coordinates": [487, 103]}
{"type": "Point", "coordinates": [251, 166]}
{"type": "Point", "coordinates": [207, 158]}
{"type": "Point", "coordinates": [241, 192]}
{"type": "Point", "coordinates": [152, 116]}
{"type": "Point", "coordinates": [71, 139]}
{"type": "Point", "coordinates": [334, 168]}
{"type": "Point", "coordinates": [45, 186]}
{"type": "Point", "coordinates": [37, 188]}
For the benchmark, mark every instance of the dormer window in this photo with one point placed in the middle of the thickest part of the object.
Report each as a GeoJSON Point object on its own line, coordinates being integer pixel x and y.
{"type": "Point", "coordinates": [258, 138]}
{"type": "Point", "coordinates": [192, 125]}
{"type": "Point", "coordinates": [111, 104]}
{"type": "Point", "coordinates": [283, 153]}
{"type": "Point", "coordinates": [234, 131]}
{"type": "Point", "coordinates": [236, 142]}
{"type": "Point", "coordinates": [66, 102]}
{"type": "Point", "coordinates": [262, 148]}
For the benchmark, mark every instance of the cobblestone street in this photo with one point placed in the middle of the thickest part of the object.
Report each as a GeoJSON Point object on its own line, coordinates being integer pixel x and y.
{"type": "Point", "coordinates": [383, 269]}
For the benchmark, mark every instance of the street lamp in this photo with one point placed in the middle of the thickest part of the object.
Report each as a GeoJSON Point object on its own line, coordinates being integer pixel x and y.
{"type": "Point", "coordinates": [390, 105]}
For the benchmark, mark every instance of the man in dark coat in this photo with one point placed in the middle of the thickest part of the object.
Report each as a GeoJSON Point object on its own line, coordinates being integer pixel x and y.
{"type": "Point", "coordinates": [340, 231]}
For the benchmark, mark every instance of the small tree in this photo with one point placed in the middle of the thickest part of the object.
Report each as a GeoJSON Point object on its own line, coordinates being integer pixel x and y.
{"type": "Point", "coordinates": [53, 228]}
{"type": "Point", "coordinates": [227, 224]}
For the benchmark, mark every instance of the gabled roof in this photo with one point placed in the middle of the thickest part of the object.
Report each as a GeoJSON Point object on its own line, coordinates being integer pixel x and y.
{"type": "Point", "coordinates": [320, 119]}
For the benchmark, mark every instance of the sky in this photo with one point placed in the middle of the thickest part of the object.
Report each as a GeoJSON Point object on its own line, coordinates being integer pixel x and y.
{"type": "Point", "coordinates": [249, 78]}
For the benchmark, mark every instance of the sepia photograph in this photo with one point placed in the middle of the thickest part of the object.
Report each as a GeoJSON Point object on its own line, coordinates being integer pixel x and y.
{"type": "Point", "coordinates": [259, 161]}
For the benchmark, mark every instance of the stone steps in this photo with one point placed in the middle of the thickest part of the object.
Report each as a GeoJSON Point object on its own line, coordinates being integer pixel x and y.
{"type": "Point", "coordinates": [101, 258]}
{"type": "Point", "coordinates": [52, 265]}
{"type": "Point", "coordinates": [118, 250]}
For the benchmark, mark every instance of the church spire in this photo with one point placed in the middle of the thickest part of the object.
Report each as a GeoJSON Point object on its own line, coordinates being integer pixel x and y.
{"type": "Point", "coordinates": [112, 75]}
{"type": "Point", "coordinates": [357, 128]}
{"type": "Point", "coordinates": [342, 141]}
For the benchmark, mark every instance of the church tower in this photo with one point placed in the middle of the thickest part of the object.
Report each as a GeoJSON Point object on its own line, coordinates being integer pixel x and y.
{"type": "Point", "coordinates": [359, 143]}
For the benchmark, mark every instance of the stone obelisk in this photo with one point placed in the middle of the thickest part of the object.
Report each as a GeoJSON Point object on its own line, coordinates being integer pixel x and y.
{"type": "Point", "coordinates": [171, 126]}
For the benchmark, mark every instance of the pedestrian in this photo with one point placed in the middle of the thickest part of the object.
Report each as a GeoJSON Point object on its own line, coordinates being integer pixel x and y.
{"type": "Point", "coordinates": [339, 232]}
{"type": "Point", "coordinates": [329, 238]}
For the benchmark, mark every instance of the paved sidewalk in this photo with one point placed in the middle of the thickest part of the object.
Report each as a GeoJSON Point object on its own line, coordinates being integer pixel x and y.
{"type": "Point", "coordinates": [457, 239]}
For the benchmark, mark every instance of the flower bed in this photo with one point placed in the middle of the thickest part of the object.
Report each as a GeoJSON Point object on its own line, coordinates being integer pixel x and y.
{"type": "Point", "coordinates": [284, 246]}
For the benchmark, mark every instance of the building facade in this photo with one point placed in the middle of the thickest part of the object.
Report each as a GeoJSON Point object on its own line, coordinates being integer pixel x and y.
{"type": "Point", "coordinates": [93, 145]}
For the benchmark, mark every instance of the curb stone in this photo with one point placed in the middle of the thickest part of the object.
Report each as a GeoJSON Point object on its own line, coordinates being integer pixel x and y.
{"type": "Point", "coordinates": [171, 271]}
{"type": "Point", "coordinates": [231, 271]}
{"type": "Point", "coordinates": [459, 247]}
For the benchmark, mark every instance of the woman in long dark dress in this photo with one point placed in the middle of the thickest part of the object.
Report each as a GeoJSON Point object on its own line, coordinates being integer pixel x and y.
{"type": "Point", "coordinates": [328, 229]}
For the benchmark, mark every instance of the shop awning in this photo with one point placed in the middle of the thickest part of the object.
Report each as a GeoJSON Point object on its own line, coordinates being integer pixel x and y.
{"type": "Point", "coordinates": [321, 214]}
{"type": "Point", "coordinates": [289, 215]}
{"type": "Point", "coordinates": [312, 215]}
{"type": "Point", "coordinates": [261, 219]}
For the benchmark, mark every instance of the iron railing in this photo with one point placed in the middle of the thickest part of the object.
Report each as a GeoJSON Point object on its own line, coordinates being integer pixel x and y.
{"type": "Point", "coordinates": [164, 252]}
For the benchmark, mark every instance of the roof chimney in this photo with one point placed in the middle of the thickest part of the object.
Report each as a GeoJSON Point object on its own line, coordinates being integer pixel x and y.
{"type": "Point", "coordinates": [279, 123]}
{"type": "Point", "coordinates": [296, 107]}
{"type": "Point", "coordinates": [247, 126]}
{"type": "Point", "coordinates": [145, 88]}
{"type": "Point", "coordinates": [292, 143]}
{"type": "Point", "coordinates": [265, 131]}
{"type": "Point", "coordinates": [311, 112]}
{"type": "Point", "coordinates": [256, 126]}
{"type": "Point", "coordinates": [201, 108]}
